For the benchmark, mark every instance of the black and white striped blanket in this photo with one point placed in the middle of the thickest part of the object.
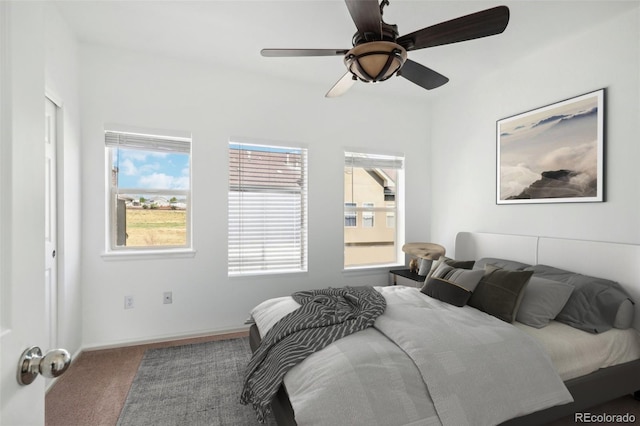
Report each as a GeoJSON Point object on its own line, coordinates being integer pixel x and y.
{"type": "Point", "coordinates": [325, 316]}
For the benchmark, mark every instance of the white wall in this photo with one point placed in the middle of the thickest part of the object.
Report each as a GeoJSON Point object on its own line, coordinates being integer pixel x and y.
{"type": "Point", "coordinates": [449, 145]}
{"type": "Point", "coordinates": [463, 139]}
{"type": "Point", "coordinates": [214, 104]}
{"type": "Point", "coordinates": [61, 82]}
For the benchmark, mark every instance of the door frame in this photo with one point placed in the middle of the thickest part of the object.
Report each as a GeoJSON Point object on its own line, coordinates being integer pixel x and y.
{"type": "Point", "coordinates": [53, 337]}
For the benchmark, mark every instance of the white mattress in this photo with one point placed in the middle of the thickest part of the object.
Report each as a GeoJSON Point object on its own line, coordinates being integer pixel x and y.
{"type": "Point", "coordinates": [576, 353]}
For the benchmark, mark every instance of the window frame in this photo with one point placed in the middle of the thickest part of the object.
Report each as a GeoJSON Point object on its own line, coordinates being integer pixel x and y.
{"type": "Point", "coordinates": [362, 158]}
{"type": "Point", "coordinates": [235, 268]}
{"type": "Point", "coordinates": [181, 139]}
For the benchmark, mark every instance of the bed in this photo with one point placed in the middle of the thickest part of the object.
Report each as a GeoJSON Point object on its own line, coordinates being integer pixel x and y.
{"type": "Point", "coordinates": [590, 381]}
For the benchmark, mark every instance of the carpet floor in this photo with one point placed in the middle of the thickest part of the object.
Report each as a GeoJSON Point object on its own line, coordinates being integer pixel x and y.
{"type": "Point", "coordinates": [94, 389]}
{"type": "Point", "coordinates": [197, 384]}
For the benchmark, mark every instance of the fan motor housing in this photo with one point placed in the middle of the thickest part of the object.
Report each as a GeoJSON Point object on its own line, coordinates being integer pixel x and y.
{"type": "Point", "coordinates": [388, 32]}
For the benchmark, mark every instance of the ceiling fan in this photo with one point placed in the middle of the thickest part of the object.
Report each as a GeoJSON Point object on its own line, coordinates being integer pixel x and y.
{"type": "Point", "coordinates": [379, 52]}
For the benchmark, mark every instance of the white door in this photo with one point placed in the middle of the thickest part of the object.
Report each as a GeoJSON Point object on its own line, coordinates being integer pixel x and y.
{"type": "Point", "coordinates": [50, 225]}
{"type": "Point", "coordinates": [22, 303]}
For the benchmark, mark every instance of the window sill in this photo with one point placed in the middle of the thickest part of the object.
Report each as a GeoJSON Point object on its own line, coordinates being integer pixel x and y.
{"type": "Point", "coordinates": [269, 274]}
{"type": "Point", "coordinates": [372, 269]}
{"type": "Point", "coordinates": [148, 254]}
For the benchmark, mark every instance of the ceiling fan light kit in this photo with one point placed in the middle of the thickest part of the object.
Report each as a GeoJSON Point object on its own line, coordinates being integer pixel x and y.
{"type": "Point", "coordinates": [375, 61]}
{"type": "Point", "coordinates": [378, 52]}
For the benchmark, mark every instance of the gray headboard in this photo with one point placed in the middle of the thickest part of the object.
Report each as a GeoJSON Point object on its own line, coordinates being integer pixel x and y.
{"type": "Point", "coordinates": [614, 261]}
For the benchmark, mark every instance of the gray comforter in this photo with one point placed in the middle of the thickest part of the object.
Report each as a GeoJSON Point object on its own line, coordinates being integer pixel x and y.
{"type": "Point", "coordinates": [325, 315]}
{"type": "Point", "coordinates": [423, 363]}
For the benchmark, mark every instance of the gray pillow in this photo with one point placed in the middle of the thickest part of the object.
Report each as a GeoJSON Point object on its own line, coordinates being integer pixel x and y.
{"type": "Point", "coordinates": [500, 292]}
{"type": "Point", "coordinates": [425, 267]}
{"type": "Point", "coordinates": [510, 265]}
{"type": "Point", "coordinates": [460, 264]}
{"type": "Point", "coordinates": [624, 317]}
{"type": "Point", "coordinates": [467, 278]}
{"type": "Point", "coordinates": [551, 273]}
{"type": "Point", "coordinates": [542, 301]}
{"type": "Point", "coordinates": [595, 305]}
{"type": "Point", "coordinates": [466, 264]}
{"type": "Point", "coordinates": [435, 265]}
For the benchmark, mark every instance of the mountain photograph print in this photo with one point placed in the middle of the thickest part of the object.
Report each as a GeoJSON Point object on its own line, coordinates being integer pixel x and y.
{"type": "Point", "coordinates": [552, 154]}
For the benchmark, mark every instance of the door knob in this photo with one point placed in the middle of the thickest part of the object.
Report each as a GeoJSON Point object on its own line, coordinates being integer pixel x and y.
{"type": "Point", "coordinates": [52, 364]}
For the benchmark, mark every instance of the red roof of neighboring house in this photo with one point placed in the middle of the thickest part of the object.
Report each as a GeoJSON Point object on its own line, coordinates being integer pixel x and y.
{"type": "Point", "coordinates": [265, 169]}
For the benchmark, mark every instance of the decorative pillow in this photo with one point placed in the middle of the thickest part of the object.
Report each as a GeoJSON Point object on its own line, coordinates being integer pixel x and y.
{"type": "Point", "coordinates": [435, 265]}
{"type": "Point", "coordinates": [510, 265]}
{"type": "Point", "coordinates": [460, 264]}
{"type": "Point", "coordinates": [543, 299]}
{"type": "Point", "coordinates": [595, 305]}
{"type": "Point", "coordinates": [500, 292]}
{"type": "Point", "coordinates": [466, 278]}
{"type": "Point", "coordinates": [446, 291]}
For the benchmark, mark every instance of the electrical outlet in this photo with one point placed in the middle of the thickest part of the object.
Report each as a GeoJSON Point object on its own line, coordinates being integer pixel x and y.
{"type": "Point", "coordinates": [128, 302]}
{"type": "Point", "coordinates": [167, 297]}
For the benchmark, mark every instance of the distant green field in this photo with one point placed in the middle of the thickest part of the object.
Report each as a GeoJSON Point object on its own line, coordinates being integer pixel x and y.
{"type": "Point", "coordinates": [155, 227]}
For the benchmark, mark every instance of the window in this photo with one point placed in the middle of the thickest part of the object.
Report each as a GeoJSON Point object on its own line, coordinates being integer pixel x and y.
{"type": "Point", "coordinates": [368, 215]}
{"type": "Point", "coordinates": [149, 191]}
{"type": "Point", "coordinates": [373, 182]}
{"type": "Point", "coordinates": [267, 209]}
{"type": "Point", "coordinates": [350, 215]}
{"type": "Point", "coordinates": [391, 218]}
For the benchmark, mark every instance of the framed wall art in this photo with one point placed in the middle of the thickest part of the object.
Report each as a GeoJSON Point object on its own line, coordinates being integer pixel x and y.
{"type": "Point", "coordinates": [552, 154]}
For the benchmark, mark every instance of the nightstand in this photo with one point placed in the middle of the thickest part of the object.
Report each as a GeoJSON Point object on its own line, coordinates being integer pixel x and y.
{"type": "Point", "coordinates": [406, 277]}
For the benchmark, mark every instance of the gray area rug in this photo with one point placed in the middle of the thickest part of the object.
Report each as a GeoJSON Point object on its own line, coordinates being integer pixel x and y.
{"type": "Point", "coordinates": [197, 384]}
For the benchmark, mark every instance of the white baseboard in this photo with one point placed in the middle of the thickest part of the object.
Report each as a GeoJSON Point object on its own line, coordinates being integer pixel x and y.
{"type": "Point", "coordinates": [163, 338]}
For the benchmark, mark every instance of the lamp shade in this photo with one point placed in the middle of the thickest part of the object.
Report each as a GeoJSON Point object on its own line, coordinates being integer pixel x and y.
{"type": "Point", "coordinates": [430, 251]}
{"type": "Point", "coordinates": [375, 60]}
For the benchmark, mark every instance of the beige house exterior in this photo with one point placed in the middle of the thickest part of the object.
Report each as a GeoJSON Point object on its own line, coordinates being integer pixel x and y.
{"type": "Point", "coordinates": [370, 222]}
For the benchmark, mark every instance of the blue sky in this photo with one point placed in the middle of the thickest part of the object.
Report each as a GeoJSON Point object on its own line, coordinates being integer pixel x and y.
{"type": "Point", "coordinates": [152, 170]}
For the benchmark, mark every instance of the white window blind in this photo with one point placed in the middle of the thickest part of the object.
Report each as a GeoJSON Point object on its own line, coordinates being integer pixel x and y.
{"type": "Point", "coordinates": [372, 161]}
{"type": "Point", "coordinates": [147, 142]}
{"type": "Point", "coordinates": [267, 209]}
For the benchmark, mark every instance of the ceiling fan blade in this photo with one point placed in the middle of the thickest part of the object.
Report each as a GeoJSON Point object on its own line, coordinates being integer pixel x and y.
{"type": "Point", "coordinates": [366, 15]}
{"type": "Point", "coordinates": [421, 75]}
{"type": "Point", "coordinates": [302, 52]}
{"type": "Point", "coordinates": [341, 86]}
{"type": "Point", "coordinates": [480, 24]}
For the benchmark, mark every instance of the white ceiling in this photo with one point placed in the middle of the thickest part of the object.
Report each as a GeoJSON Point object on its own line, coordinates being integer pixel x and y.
{"type": "Point", "coordinates": [233, 32]}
